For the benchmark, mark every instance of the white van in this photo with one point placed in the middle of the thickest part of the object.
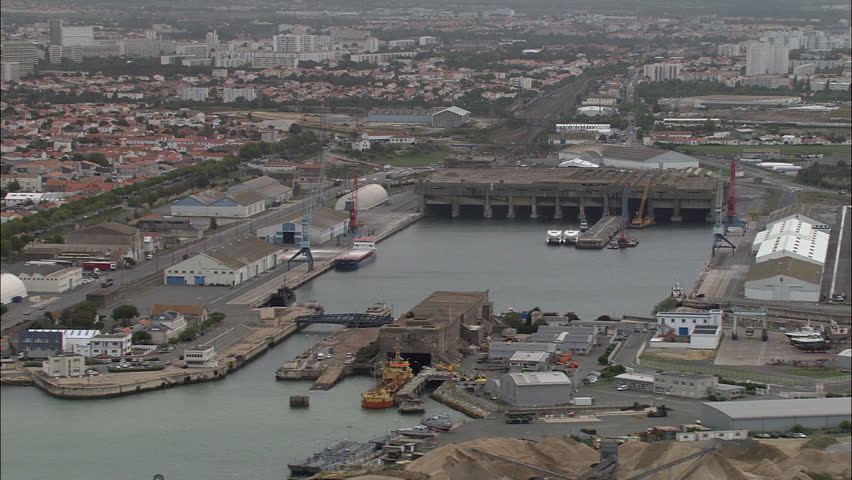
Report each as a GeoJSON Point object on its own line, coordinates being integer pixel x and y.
{"type": "Point", "coordinates": [320, 356]}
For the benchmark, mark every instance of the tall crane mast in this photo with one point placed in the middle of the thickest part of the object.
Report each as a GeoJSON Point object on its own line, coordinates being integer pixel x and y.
{"type": "Point", "coordinates": [733, 220]}
{"type": "Point", "coordinates": [625, 214]}
{"type": "Point", "coordinates": [720, 229]}
{"type": "Point", "coordinates": [641, 220]}
{"type": "Point", "coordinates": [353, 208]}
{"type": "Point", "coordinates": [305, 241]}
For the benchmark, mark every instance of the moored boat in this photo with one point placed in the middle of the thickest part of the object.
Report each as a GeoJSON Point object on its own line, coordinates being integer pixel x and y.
{"type": "Point", "coordinates": [363, 251]}
{"type": "Point", "coordinates": [584, 225]}
{"type": "Point", "coordinates": [396, 373]}
{"type": "Point", "coordinates": [569, 237]}
{"type": "Point", "coordinates": [678, 293]}
{"type": "Point", "coordinates": [416, 432]}
{"type": "Point", "coordinates": [806, 331]}
{"type": "Point", "coordinates": [554, 237]}
{"type": "Point", "coordinates": [440, 423]}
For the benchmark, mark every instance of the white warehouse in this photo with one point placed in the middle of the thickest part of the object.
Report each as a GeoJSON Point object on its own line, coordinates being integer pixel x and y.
{"type": "Point", "coordinates": [229, 264]}
{"type": "Point", "coordinates": [368, 197]}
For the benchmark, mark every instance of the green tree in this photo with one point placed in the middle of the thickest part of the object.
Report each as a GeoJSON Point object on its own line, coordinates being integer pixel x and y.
{"type": "Point", "coordinates": [13, 186]}
{"type": "Point", "coordinates": [125, 311]}
{"type": "Point", "coordinates": [140, 337]}
{"type": "Point", "coordinates": [99, 158]}
{"type": "Point", "coordinates": [81, 316]}
{"type": "Point", "coordinates": [665, 305]}
{"type": "Point", "coordinates": [295, 129]}
{"type": "Point", "coordinates": [187, 334]}
{"type": "Point", "coordinates": [55, 238]}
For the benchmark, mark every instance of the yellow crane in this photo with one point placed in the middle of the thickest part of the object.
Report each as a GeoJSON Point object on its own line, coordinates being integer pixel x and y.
{"type": "Point", "coordinates": [641, 221]}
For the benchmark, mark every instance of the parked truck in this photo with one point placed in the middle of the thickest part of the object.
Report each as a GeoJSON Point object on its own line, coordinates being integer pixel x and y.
{"type": "Point", "coordinates": [98, 265]}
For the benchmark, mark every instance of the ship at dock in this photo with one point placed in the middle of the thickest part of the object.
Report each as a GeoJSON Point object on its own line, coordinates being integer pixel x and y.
{"type": "Point", "coordinates": [341, 455]}
{"type": "Point", "coordinates": [396, 373]}
{"type": "Point", "coordinates": [363, 251]}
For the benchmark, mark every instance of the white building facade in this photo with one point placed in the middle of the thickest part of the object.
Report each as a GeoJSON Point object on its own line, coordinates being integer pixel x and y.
{"type": "Point", "coordinates": [113, 345]}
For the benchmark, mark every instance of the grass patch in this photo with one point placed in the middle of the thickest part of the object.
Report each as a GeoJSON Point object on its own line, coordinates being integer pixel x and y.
{"type": "Point", "coordinates": [415, 160]}
{"type": "Point", "coordinates": [822, 372]}
{"type": "Point", "coordinates": [784, 149]}
{"type": "Point", "coordinates": [102, 217]}
{"type": "Point", "coordinates": [809, 197]}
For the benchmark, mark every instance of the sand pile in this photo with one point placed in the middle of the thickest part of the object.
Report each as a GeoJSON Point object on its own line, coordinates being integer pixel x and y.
{"type": "Point", "coordinates": [767, 468]}
{"type": "Point", "coordinates": [557, 454]}
{"type": "Point", "coordinates": [775, 461]}
{"type": "Point", "coordinates": [638, 457]}
{"type": "Point", "coordinates": [818, 461]}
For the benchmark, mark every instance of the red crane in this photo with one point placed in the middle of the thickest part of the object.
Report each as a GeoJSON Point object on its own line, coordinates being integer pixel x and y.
{"type": "Point", "coordinates": [353, 207]}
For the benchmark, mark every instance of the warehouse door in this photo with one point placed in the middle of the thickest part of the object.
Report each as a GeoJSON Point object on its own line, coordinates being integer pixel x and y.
{"type": "Point", "coordinates": [683, 331]}
{"type": "Point", "coordinates": [199, 280]}
{"type": "Point", "coordinates": [175, 281]}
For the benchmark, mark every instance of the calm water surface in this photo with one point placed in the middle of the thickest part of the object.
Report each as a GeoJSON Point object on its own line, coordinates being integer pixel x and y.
{"type": "Point", "coordinates": [243, 427]}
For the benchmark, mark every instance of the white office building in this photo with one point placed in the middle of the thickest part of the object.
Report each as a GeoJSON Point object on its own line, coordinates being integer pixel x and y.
{"type": "Point", "coordinates": [289, 43]}
{"type": "Point", "coordinates": [64, 365]}
{"type": "Point", "coordinates": [660, 72]}
{"type": "Point", "coordinates": [113, 345]}
{"type": "Point", "coordinates": [200, 357]}
{"type": "Point", "coordinates": [767, 57]}
{"type": "Point", "coordinates": [195, 94]}
{"type": "Point", "coordinates": [230, 95]}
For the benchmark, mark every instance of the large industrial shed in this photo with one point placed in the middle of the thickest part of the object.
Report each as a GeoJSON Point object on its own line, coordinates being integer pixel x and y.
{"type": "Point", "coordinates": [231, 263]}
{"type": "Point", "coordinates": [776, 415]}
{"type": "Point", "coordinates": [326, 224]}
{"type": "Point", "coordinates": [532, 389]}
{"type": "Point", "coordinates": [368, 197]}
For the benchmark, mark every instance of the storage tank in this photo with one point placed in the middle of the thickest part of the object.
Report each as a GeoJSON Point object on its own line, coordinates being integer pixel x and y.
{"type": "Point", "coordinates": [11, 287]}
{"type": "Point", "coordinates": [368, 197]}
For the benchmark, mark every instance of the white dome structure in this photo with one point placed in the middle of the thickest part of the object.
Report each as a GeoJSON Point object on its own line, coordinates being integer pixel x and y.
{"type": "Point", "coordinates": [368, 197]}
{"type": "Point", "coordinates": [11, 287]}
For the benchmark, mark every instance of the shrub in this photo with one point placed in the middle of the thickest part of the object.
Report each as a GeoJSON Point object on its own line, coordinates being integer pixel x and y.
{"type": "Point", "coordinates": [32, 364]}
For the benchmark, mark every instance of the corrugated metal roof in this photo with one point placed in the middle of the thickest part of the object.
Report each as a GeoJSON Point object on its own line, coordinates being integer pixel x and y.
{"type": "Point", "coordinates": [788, 267]}
{"type": "Point", "coordinates": [242, 251]}
{"type": "Point", "coordinates": [539, 378]}
{"type": "Point", "coordinates": [801, 407]}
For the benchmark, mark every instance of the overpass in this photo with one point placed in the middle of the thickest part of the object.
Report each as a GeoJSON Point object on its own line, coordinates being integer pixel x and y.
{"type": "Point", "coordinates": [351, 320]}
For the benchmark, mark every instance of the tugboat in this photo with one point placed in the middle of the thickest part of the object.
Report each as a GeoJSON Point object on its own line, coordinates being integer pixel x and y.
{"type": "Point", "coordinates": [396, 373]}
{"type": "Point", "coordinates": [439, 423]}
{"type": "Point", "coordinates": [584, 225]}
{"type": "Point", "coordinates": [284, 297]}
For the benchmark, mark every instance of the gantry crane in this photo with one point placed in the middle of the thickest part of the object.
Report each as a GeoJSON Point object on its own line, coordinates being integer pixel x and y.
{"type": "Point", "coordinates": [720, 229]}
{"type": "Point", "coordinates": [641, 221]}
{"type": "Point", "coordinates": [305, 241]}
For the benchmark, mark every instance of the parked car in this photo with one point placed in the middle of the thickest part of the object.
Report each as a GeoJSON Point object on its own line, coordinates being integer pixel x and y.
{"type": "Point", "coordinates": [622, 388]}
{"type": "Point", "coordinates": [795, 435]}
{"type": "Point", "coordinates": [762, 435]}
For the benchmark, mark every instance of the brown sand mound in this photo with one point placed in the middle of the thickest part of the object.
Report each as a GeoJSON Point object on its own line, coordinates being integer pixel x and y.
{"type": "Point", "coordinates": [818, 461]}
{"type": "Point", "coordinates": [553, 453]}
{"type": "Point", "coordinates": [754, 454]}
{"type": "Point", "coordinates": [767, 468]}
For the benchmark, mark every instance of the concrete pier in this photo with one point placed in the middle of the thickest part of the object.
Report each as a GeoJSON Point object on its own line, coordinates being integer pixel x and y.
{"type": "Point", "coordinates": [682, 195]}
{"type": "Point", "coordinates": [415, 386]}
{"type": "Point", "coordinates": [600, 234]}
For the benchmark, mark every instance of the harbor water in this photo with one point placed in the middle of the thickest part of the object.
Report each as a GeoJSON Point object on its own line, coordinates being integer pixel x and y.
{"type": "Point", "coordinates": [243, 428]}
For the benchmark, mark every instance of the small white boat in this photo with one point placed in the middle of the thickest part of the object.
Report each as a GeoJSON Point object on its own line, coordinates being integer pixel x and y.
{"type": "Point", "coordinates": [554, 237]}
{"type": "Point", "coordinates": [569, 237]}
{"type": "Point", "coordinates": [678, 293]}
{"type": "Point", "coordinates": [584, 225]}
{"type": "Point", "coordinates": [805, 332]}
